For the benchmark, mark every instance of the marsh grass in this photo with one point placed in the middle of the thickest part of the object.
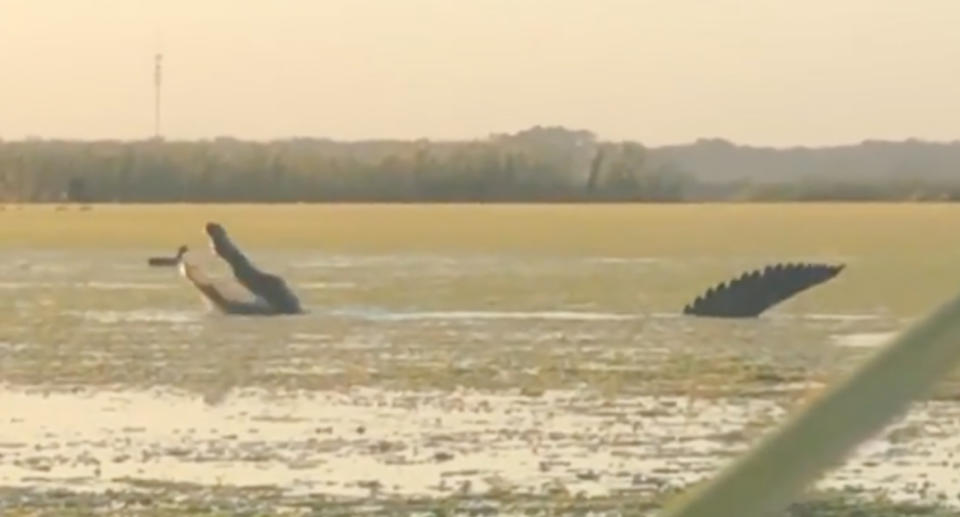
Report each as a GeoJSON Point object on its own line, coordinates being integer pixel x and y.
{"type": "Point", "coordinates": [886, 245]}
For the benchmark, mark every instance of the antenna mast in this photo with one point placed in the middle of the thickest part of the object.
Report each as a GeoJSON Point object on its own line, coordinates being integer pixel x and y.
{"type": "Point", "coordinates": [157, 81]}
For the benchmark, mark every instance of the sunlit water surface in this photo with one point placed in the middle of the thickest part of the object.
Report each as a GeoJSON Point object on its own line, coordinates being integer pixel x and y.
{"type": "Point", "coordinates": [422, 375]}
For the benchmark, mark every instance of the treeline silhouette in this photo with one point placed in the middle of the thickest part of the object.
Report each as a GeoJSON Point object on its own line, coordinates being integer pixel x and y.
{"type": "Point", "coordinates": [541, 164]}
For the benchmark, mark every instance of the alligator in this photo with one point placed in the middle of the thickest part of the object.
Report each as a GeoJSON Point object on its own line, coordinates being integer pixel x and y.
{"type": "Point", "coordinates": [756, 291]}
{"type": "Point", "coordinates": [271, 295]}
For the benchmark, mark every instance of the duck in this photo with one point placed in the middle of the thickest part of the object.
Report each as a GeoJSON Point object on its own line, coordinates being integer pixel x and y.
{"type": "Point", "coordinates": [168, 261]}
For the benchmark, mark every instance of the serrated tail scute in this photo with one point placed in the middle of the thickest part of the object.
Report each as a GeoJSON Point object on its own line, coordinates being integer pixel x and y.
{"type": "Point", "coordinates": [752, 293]}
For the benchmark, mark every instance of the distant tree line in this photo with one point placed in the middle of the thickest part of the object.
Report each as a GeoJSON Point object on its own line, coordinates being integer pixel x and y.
{"type": "Point", "coordinates": [537, 165]}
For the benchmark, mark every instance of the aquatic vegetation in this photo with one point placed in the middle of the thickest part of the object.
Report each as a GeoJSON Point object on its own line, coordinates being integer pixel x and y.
{"type": "Point", "coordinates": [548, 368]}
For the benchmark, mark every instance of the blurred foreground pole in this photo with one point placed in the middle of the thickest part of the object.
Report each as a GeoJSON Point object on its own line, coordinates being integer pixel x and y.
{"type": "Point", "coordinates": [772, 474]}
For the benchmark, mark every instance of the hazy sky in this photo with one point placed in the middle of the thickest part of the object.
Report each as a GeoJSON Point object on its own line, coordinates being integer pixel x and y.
{"type": "Point", "coordinates": [770, 72]}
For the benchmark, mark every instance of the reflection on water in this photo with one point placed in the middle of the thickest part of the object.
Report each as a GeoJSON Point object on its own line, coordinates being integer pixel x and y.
{"type": "Point", "coordinates": [863, 339]}
{"type": "Point", "coordinates": [427, 443]}
{"type": "Point", "coordinates": [133, 316]}
{"type": "Point", "coordinates": [410, 443]}
{"type": "Point", "coordinates": [483, 315]}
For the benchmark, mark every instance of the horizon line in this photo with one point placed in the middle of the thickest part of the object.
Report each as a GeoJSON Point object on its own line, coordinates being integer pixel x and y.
{"type": "Point", "coordinates": [697, 141]}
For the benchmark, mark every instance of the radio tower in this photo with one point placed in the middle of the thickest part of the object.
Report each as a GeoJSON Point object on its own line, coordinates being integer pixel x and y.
{"type": "Point", "coordinates": [157, 80]}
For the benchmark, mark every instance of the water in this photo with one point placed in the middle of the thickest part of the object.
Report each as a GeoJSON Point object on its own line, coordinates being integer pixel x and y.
{"type": "Point", "coordinates": [423, 443]}
{"type": "Point", "coordinates": [421, 376]}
